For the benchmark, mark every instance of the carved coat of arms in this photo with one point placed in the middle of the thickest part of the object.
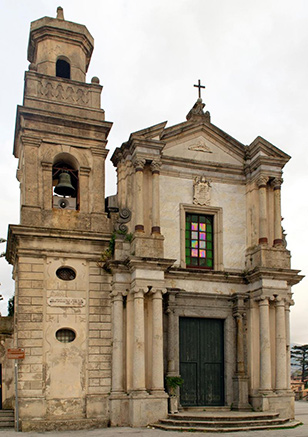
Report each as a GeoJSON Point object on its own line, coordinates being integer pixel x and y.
{"type": "Point", "coordinates": [202, 193]}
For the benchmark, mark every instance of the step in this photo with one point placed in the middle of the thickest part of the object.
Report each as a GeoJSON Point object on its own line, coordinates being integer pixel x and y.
{"type": "Point", "coordinates": [222, 423]}
{"type": "Point", "coordinates": [7, 424]}
{"type": "Point", "coordinates": [214, 417]}
{"type": "Point", "coordinates": [287, 425]}
{"type": "Point", "coordinates": [7, 419]}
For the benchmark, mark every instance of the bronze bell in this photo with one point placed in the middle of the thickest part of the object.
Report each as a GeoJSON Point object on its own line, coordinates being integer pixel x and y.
{"type": "Point", "coordinates": [64, 187]}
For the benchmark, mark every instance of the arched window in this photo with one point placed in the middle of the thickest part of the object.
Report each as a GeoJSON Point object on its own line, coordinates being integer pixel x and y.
{"type": "Point", "coordinates": [63, 69]}
{"type": "Point", "coordinates": [65, 183]}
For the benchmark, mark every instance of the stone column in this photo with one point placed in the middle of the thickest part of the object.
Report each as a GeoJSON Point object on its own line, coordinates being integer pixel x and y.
{"type": "Point", "coordinates": [265, 346]}
{"type": "Point", "coordinates": [240, 364]}
{"type": "Point", "coordinates": [117, 385]}
{"type": "Point", "coordinates": [139, 166]}
{"type": "Point", "coordinates": [262, 183]}
{"type": "Point", "coordinates": [155, 167]}
{"type": "Point", "coordinates": [240, 379]}
{"type": "Point", "coordinates": [288, 351]}
{"type": "Point", "coordinates": [171, 368]}
{"type": "Point", "coordinates": [138, 345]}
{"type": "Point", "coordinates": [281, 347]}
{"type": "Point", "coordinates": [277, 212]}
{"type": "Point", "coordinates": [129, 341]}
{"type": "Point", "coordinates": [157, 342]}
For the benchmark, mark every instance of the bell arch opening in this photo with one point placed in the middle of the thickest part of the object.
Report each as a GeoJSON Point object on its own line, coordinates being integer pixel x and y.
{"type": "Point", "coordinates": [63, 68]}
{"type": "Point", "coordinates": [65, 182]}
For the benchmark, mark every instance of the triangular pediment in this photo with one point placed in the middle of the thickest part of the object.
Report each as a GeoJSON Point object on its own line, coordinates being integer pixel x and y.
{"type": "Point", "coordinates": [204, 144]}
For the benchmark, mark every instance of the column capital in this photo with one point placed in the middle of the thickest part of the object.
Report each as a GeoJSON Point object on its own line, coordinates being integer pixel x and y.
{"type": "Point", "coordinates": [118, 291]}
{"type": "Point", "coordinates": [276, 183]}
{"type": "Point", "coordinates": [158, 292]}
{"type": "Point", "coordinates": [264, 300]}
{"type": "Point", "coordinates": [155, 166]}
{"type": "Point", "coordinates": [138, 292]}
{"type": "Point", "coordinates": [279, 301]}
{"type": "Point", "coordinates": [262, 181]}
{"type": "Point", "coordinates": [139, 163]}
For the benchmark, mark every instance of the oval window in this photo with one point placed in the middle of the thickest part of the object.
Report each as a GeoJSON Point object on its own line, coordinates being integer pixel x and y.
{"type": "Point", "coordinates": [66, 273]}
{"type": "Point", "coordinates": [65, 335]}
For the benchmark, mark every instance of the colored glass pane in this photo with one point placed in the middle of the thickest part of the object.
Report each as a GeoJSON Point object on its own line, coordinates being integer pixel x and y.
{"type": "Point", "coordinates": [199, 241]}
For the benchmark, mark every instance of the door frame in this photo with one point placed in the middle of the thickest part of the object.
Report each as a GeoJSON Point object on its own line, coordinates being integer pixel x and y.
{"type": "Point", "coordinates": [209, 306]}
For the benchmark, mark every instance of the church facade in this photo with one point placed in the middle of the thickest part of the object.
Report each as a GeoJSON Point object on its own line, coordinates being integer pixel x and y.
{"type": "Point", "coordinates": [184, 272]}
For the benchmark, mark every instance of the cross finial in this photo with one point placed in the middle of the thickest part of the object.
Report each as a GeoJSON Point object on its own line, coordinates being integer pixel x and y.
{"type": "Point", "coordinates": [199, 86]}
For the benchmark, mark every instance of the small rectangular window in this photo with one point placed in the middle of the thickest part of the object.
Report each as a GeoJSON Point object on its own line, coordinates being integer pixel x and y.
{"type": "Point", "coordinates": [199, 244]}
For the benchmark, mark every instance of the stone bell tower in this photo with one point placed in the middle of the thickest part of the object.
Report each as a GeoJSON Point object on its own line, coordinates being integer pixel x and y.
{"type": "Point", "coordinates": [62, 311]}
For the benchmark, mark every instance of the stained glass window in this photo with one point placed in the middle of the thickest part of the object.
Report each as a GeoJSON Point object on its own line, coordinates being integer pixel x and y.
{"type": "Point", "coordinates": [199, 241]}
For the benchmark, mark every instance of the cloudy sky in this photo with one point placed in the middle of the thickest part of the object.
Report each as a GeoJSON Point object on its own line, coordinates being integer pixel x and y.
{"type": "Point", "coordinates": [251, 55]}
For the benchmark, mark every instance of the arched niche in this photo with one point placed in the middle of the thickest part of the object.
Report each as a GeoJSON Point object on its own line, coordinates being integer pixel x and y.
{"type": "Point", "coordinates": [64, 163]}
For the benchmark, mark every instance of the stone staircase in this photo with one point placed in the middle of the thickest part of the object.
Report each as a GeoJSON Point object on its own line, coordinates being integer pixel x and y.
{"type": "Point", "coordinates": [6, 419]}
{"type": "Point", "coordinates": [223, 421]}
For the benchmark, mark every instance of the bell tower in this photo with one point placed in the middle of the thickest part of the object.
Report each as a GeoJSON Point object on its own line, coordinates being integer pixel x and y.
{"type": "Point", "coordinates": [62, 308]}
{"type": "Point", "coordinates": [61, 132]}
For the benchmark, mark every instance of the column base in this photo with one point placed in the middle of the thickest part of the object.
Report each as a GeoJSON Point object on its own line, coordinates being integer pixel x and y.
{"type": "Point", "coordinates": [282, 403]}
{"type": "Point", "coordinates": [145, 409]}
{"type": "Point", "coordinates": [240, 389]}
{"type": "Point", "coordinates": [119, 409]}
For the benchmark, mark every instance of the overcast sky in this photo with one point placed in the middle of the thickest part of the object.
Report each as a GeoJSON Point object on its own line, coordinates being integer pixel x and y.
{"type": "Point", "coordinates": [251, 55]}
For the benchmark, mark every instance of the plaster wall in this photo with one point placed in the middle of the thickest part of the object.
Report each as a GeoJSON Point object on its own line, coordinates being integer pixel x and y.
{"type": "Point", "coordinates": [231, 198]}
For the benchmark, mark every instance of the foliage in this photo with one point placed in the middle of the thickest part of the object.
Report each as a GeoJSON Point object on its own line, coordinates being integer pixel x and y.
{"type": "Point", "coordinates": [108, 253]}
{"type": "Point", "coordinates": [11, 306]}
{"type": "Point", "coordinates": [299, 354]}
{"type": "Point", "coordinates": [173, 382]}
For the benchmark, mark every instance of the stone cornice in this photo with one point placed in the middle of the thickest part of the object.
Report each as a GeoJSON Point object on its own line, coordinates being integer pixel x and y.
{"type": "Point", "coordinates": [206, 275]}
{"type": "Point", "coordinates": [31, 235]}
{"type": "Point", "coordinates": [93, 130]}
{"type": "Point", "coordinates": [190, 166]}
{"type": "Point", "coordinates": [292, 277]}
{"type": "Point", "coordinates": [149, 263]}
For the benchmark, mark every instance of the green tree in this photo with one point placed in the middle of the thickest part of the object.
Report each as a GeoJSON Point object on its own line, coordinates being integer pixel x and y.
{"type": "Point", "coordinates": [299, 354]}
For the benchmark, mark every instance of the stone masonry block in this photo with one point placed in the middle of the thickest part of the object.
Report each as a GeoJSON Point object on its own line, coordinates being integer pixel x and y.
{"type": "Point", "coordinates": [24, 267]}
{"type": "Point", "coordinates": [32, 276]}
{"type": "Point", "coordinates": [37, 300]}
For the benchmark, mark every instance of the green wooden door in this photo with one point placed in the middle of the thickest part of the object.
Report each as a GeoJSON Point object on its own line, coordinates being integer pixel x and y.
{"type": "Point", "coordinates": [202, 361]}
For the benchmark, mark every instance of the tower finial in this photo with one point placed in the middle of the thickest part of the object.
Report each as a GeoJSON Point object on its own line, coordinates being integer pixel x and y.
{"type": "Point", "coordinates": [60, 14]}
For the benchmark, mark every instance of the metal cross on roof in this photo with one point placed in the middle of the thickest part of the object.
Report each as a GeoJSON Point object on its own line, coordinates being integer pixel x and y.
{"type": "Point", "coordinates": [199, 86]}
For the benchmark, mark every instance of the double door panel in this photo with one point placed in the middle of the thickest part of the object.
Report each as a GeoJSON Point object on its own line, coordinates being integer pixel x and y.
{"type": "Point", "coordinates": [202, 361]}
